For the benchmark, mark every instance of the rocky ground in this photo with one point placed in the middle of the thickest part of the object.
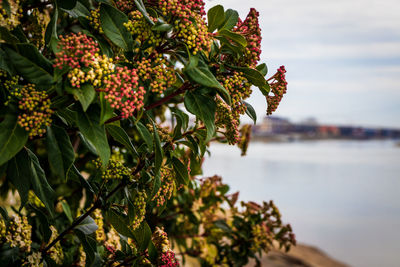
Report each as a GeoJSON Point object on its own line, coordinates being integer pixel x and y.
{"type": "Point", "coordinates": [299, 256]}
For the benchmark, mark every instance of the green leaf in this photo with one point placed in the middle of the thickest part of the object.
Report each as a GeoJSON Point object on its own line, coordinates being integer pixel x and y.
{"type": "Point", "coordinates": [201, 74]}
{"type": "Point", "coordinates": [67, 210]}
{"type": "Point", "coordinates": [12, 138]}
{"type": "Point", "coordinates": [265, 89]}
{"type": "Point", "coordinates": [87, 226]}
{"type": "Point", "coordinates": [40, 185]}
{"type": "Point", "coordinates": [159, 154]}
{"type": "Point", "coordinates": [8, 37]}
{"type": "Point", "coordinates": [88, 124]}
{"type": "Point", "coordinates": [262, 68]}
{"type": "Point", "coordinates": [204, 108]}
{"type": "Point", "coordinates": [18, 173]}
{"type": "Point", "coordinates": [215, 17]}
{"type": "Point", "coordinates": [78, 11]}
{"type": "Point", "coordinates": [156, 185]}
{"type": "Point", "coordinates": [119, 222]}
{"type": "Point", "coordinates": [85, 94]}
{"type": "Point", "coordinates": [112, 23]}
{"type": "Point", "coordinates": [31, 64]}
{"type": "Point", "coordinates": [142, 236]}
{"type": "Point", "coordinates": [107, 112]}
{"type": "Point", "coordinates": [250, 111]}
{"type": "Point", "coordinates": [68, 5]}
{"type": "Point", "coordinates": [61, 154]}
{"type": "Point", "coordinates": [253, 75]}
{"type": "Point", "coordinates": [231, 19]}
{"type": "Point", "coordinates": [51, 30]}
{"type": "Point", "coordinates": [121, 137]}
{"type": "Point", "coordinates": [181, 171]}
{"type": "Point", "coordinates": [237, 38]}
{"type": "Point", "coordinates": [146, 135]}
{"type": "Point", "coordinates": [139, 4]}
{"type": "Point", "coordinates": [162, 27]}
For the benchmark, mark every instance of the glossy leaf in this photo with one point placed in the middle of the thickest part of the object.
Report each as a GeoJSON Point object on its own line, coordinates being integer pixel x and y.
{"type": "Point", "coordinates": [142, 236]}
{"type": "Point", "coordinates": [181, 171]}
{"type": "Point", "coordinates": [67, 210]}
{"type": "Point", "coordinates": [107, 112]}
{"type": "Point", "coordinates": [39, 182]}
{"type": "Point", "coordinates": [31, 64]}
{"type": "Point", "coordinates": [162, 27]}
{"type": "Point", "coordinates": [68, 5]}
{"type": "Point", "coordinates": [61, 154]}
{"type": "Point", "coordinates": [12, 138]}
{"type": "Point", "coordinates": [215, 17]}
{"type": "Point", "coordinates": [146, 135]}
{"type": "Point", "coordinates": [139, 4]}
{"type": "Point", "coordinates": [85, 94]}
{"type": "Point", "coordinates": [201, 74]}
{"type": "Point", "coordinates": [87, 226]}
{"type": "Point", "coordinates": [231, 19]}
{"type": "Point", "coordinates": [119, 222]}
{"type": "Point", "coordinates": [237, 38]}
{"type": "Point", "coordinates": [253, 75]}
{"type": "Point", "coordinates": [51, 30]}
{"type": "Point", "coordinates": [19, 175]}
{"type": "Point", "coordinates": [251, 112]}
{"type": "Point", "coordinates": [112, 23]}
{"type": "Point", "coordinates": [204, 108]}
{"type": "Point", "coordinates": [121, 137]}
{"type": "Point", "coordinates": [262, 68]}
{"type": "Point", "coordinates": [88, 123]}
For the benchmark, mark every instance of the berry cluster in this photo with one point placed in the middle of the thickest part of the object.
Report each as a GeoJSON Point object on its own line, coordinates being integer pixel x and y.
{"type": "Point", "coordinates": [140, 207]}
{"type": "Point", "coordinates": [166, 257]}
{"type": "Point", "coordinates": [250, 29]}
{"type": "Point", "coordinates": [262, 238]}
{"type": "Point", "coordinates": [123, 91]}
{"type": "Point", "coordinates": [225, 118]}
{"type": "Point", "coordinates": [35, 27]}
{"type": "Point", "coordinates": [238, 86]}
{"type": "Point", "coordinates": [12, 20]}
{"type": "Point", "coordinates": [125, 5]}
{"type": "Point", "coordinates": [34, 259]}
{"type": "Point", "coordinates": [245, 135]}
{"type": "Point", "coordinates": [18, 233]}
{"type": "Point", "coordinates": [56, 253]}
{"type": "Point", "coordinates": [113, 240]}
{"type": "Point", "coordinates": [94, 20]}
{"type": "Point", "coordinates": [163, 132]}
{"type": "Point", "coordinates": [36, 109]}
{"type": "Point", "coordinates": [115, 168]}
{"type": "Point", "coordinates": [278, 86]}
{"type": "Point", "coordinates": [167, 186]}
{"type": "Point", "coordinates": [189, 23]}
{"type": "Point", "coordinates": [158, 72]}
{"type": "Point", "coordinates": [81, 54]}
{"type": "Point", "coordinates": [98, 219]}
{"type": "Point", "coordinates": [141, 29]}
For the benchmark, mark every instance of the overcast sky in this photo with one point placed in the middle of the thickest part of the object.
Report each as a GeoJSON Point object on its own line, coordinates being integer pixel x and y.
{"type": "Point", "coordinates": [342, 58]}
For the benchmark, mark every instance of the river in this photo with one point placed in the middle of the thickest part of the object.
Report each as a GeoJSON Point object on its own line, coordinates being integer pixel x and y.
{"type": "Point", "coordinates": [341, 196]}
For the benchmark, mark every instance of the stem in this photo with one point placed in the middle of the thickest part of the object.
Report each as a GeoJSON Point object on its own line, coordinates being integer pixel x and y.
{"type": "Point", "coordinates": [182, 89]}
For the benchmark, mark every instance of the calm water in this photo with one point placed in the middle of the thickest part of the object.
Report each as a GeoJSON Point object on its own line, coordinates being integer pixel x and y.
{"type": "Point", "coordinates": [342, 196]}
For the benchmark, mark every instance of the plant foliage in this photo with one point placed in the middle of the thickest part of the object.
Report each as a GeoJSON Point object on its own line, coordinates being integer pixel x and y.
{"type": "Point", "coordinates": [107, 111]}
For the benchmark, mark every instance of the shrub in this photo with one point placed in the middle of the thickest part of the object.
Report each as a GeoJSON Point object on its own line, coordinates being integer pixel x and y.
{"type": "Point", "coordinates": [107, 110]}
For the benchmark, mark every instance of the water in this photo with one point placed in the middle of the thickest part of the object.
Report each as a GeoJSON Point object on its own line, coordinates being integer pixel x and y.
{"type": "Point", "coordinates": [341, 196]}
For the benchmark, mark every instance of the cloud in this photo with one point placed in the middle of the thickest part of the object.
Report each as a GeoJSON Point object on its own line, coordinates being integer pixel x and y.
{"type": "Point", "coordinates": [342, 57]}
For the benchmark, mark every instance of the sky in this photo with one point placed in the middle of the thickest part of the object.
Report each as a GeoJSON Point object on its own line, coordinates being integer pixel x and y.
{"type": "Point", "coordinates": [342, 58]}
